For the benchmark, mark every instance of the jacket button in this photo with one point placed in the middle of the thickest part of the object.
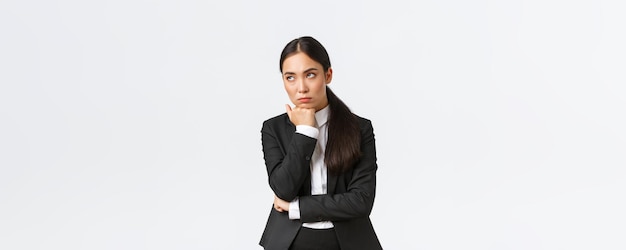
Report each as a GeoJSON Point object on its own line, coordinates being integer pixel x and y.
{"type": "Point", "coordinates": [308, 158]}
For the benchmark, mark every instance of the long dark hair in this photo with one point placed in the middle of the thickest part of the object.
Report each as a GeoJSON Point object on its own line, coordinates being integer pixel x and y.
{"type": "Point", "coordinates": [343, 148]}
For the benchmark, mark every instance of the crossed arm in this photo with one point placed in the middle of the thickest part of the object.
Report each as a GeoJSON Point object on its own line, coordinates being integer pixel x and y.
{"type": "Point", "coordinates": [287, 173]}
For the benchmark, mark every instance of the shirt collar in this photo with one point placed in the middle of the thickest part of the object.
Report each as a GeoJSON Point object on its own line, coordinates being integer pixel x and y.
{"type": "Point", "coordinates": [321, 116]}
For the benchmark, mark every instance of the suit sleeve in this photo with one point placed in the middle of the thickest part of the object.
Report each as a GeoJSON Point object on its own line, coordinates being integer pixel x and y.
{"type": "Point", "coordinates": [358, 199]}
{"type": "Point", "coordinates": [287, 165]}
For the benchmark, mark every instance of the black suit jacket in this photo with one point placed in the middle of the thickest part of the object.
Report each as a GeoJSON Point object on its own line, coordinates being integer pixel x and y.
{"type": "Point", "coordinates": [349, 198]}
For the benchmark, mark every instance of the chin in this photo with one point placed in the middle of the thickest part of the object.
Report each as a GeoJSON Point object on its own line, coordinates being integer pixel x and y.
{"type": "Point", "coordinates": [304, 105]}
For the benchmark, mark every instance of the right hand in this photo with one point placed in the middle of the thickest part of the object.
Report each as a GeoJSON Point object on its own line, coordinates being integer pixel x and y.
{"type": "Point", "coordinates": [280, 205]}
{"type": "Point", "coordinates": [301, 116]}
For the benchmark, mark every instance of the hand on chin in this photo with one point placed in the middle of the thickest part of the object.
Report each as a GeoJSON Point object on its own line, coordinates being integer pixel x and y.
{"type": "Point", "coordinates": [301, 115]}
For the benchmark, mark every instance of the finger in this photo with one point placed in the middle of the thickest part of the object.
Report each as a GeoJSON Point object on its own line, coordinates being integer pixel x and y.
{"type": "Point", "coordinates": [288, 110]}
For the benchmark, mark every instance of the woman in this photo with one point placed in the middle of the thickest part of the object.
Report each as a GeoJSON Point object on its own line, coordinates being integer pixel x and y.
{"type": "Point", "coordinates": [320, 159]}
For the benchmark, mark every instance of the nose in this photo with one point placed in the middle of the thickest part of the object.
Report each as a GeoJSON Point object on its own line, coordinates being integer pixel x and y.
{"type": "Point", "coordinates": [302, 87]}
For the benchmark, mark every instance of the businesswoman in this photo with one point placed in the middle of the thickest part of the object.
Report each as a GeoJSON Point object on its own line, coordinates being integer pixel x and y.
{"type": "Point", "coordinates": [320, 159]}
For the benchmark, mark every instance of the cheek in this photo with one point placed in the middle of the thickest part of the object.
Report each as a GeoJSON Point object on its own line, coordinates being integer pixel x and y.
{"type": "Point", "coordinates": [286, 86]}
{"type": "Point", "coordinates": [290, 91]}
{"type": "Point", "coordinates": [321, 87]}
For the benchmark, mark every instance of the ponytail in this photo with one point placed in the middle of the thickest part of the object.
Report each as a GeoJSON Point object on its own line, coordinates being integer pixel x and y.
{"type": "Point", "coordinates": [343, 148]}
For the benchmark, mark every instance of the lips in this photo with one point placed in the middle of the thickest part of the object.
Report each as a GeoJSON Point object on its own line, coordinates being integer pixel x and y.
{"type": "Point", "coordinates": [305, 99]}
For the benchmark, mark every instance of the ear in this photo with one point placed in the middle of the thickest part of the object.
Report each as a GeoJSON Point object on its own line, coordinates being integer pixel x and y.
{"type": "Point", "coordinates": [329, 75]}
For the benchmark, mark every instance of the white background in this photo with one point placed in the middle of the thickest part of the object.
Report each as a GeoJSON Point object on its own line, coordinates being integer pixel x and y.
{"type": "Point", "coordinates": [136, 124]}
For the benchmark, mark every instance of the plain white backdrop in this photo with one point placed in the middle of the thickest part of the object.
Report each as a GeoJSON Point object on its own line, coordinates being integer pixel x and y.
{"type": "Point", "coordinates": [136, 124]}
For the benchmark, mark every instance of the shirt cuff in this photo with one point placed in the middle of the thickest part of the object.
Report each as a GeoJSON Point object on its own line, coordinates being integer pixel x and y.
{"type": "Point", "coordinates": [307, 130]}
{"type": "Point", "coordinates": [294, 209]}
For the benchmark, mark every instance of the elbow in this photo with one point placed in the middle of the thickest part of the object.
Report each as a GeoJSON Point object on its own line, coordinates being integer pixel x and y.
{"type": "Point", "coordinates": [286, 194]}
{"type": "Point", "coordinates": [364, 207]}
{"type": "Point", "coordinates": [290, 196]}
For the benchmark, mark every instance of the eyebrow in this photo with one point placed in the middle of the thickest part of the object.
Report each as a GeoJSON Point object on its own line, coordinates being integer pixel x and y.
{"type": "Point", "coordinates": [309, 69]}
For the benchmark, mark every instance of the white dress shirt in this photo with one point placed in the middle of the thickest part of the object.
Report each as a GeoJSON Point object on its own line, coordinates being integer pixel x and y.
{"type": "Point", "coordinates": [319, 174]}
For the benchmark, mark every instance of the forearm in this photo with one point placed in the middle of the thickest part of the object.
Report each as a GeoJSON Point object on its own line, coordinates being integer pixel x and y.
{"type": "Point", "coordinates": [336, 207]}
{"type": "Point", "coordinates": [288, 171]}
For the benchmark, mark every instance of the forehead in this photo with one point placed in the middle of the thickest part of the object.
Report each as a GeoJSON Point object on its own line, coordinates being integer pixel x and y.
{"type": "Point", "coordinates": [299, 62]}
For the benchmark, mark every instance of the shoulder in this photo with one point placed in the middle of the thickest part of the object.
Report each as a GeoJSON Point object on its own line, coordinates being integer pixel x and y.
{"type": "Point", "coordinates": [365, 125]}
{"type": "Point", "coordinates": [281, 120]}
{"type": "Point", "coordinates": [363, 122]}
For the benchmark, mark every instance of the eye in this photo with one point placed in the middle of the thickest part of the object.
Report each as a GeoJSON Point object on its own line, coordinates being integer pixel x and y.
{"type": "Point", "coordinates": [310, 75]}
{"type": "Point", "coordinates": [289, 78]}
